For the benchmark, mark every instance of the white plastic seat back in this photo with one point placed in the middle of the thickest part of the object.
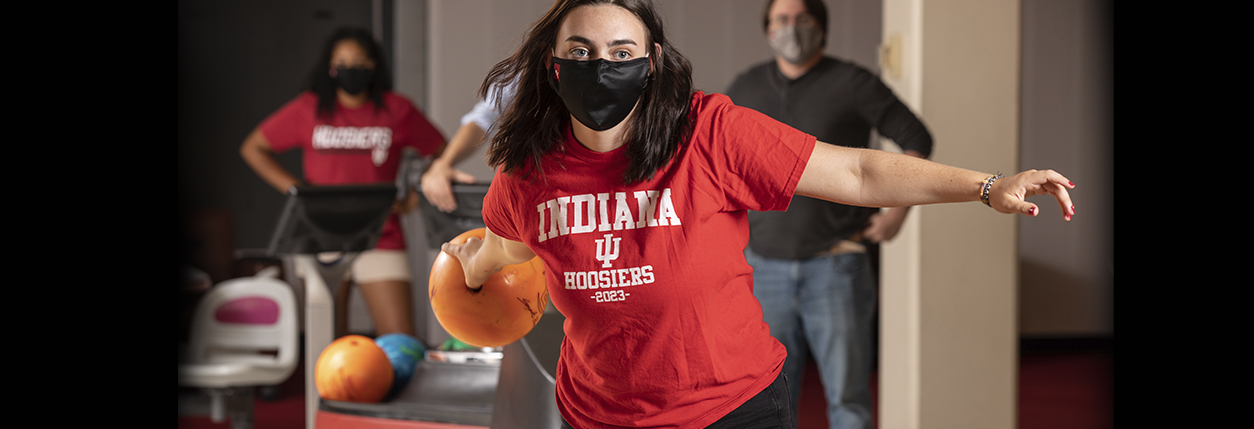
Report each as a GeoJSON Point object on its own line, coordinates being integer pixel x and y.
{"type": "Point", "coordinates": [244, 333]}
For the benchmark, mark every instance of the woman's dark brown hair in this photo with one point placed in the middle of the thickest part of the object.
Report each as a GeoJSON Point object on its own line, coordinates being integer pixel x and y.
{"type": "Point", "coordinates": [531, 127]}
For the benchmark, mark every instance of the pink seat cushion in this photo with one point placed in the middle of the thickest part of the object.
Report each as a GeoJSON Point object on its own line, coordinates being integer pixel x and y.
{"type": "Point", "coordinates": [252, 310]}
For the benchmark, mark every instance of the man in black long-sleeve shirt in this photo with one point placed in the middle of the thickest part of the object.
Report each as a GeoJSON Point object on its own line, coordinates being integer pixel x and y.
{"type": "Point", "coordinates": [811, 271]}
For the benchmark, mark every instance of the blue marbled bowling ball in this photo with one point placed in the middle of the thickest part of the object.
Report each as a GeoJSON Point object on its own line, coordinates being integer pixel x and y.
{"type": "Point", "coordinates": [404, 352]}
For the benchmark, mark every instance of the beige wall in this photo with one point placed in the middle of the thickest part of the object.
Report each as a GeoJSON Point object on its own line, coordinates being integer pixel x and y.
{"type": "Point", "coordinates": [969, 271]}
{"type": "Point", "coordinates": [948, 331]}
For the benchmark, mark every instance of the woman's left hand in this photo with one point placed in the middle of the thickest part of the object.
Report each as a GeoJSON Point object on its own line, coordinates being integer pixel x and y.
{"type": "Point", "coordinates": [1009, 194]}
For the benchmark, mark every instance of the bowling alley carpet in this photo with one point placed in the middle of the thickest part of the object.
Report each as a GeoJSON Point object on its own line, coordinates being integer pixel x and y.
{"type": "Point", "coordinates": [1062, 384]}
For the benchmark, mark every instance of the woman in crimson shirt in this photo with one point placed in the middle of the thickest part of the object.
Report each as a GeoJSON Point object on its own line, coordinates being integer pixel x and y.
{"type": "Point", "coordinates": [351, 129]}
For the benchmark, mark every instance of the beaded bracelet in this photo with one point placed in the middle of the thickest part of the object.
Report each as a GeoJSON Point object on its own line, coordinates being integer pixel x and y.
{"type": "Point", "coordinates": [988, 184]}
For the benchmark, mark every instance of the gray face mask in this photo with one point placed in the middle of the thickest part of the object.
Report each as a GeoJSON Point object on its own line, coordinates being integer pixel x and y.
{"type": "Point", "coordinates": [796, 44]}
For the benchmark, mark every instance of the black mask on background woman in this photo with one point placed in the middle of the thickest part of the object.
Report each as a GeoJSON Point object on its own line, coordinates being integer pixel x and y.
{"type": "Point", "coordinates": [599, 93]}
{"type": "Point", "coordinates": [352, 80]}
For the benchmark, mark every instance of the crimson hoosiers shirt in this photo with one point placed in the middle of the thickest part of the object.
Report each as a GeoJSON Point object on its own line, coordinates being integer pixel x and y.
{"type": "Point", "coordinates": [662, 328]}
{"type": "Point", "coordinates": [353, 146]}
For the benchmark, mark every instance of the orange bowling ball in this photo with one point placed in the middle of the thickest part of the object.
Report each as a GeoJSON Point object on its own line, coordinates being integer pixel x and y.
{"type": "Point", "coordinates": [354, 369]}
{"type": "Point", "coordinates": [507, 306]}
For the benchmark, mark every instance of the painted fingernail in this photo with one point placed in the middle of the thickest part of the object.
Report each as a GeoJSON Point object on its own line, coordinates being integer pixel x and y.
{"type": "Point", "coordinates": [1032, 211]}
{"type": "Point", "coordinates": [1073, 210]}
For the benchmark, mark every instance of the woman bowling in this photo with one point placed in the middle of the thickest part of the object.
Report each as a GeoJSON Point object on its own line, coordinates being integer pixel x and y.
{"type": "Point", "coordinates": [634, 189]}
{"type": "Point", "coordinates": [351, 129]}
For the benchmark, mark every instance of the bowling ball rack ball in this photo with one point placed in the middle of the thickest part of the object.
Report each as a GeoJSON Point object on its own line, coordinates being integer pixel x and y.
{"type": "Point", "coordinates": [353, 369]}
{"type": "Point", "coordinates": [404, 352]}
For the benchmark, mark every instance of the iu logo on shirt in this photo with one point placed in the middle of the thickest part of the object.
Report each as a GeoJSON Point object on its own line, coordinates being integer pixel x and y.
{"type": "Point", "coordinates": [377, 140]}
{"type": "Point", "coordinates": [608, 282]}
{"type": "Point", "coordinates": [604, 254]}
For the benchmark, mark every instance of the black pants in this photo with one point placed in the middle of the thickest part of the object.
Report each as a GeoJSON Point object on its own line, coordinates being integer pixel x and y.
{"type": "Point", "coordinates": [769, 409]}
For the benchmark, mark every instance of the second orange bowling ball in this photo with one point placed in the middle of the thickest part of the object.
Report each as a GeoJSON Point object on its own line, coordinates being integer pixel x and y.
{"type": "Point", "coordinates": [354, 369]}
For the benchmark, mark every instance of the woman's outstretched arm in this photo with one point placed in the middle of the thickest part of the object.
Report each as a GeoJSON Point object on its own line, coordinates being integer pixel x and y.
{"type": "Point", "coordinates": [872, 178]}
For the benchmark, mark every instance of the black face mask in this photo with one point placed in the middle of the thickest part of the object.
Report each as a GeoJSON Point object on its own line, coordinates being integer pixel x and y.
{"type": "Point", "coordinates": [354, 80]}
{"type": "Point", "coordinates": [599, 93]}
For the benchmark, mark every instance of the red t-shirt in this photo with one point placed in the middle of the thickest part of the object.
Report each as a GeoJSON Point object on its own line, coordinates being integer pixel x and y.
{"type": "Point", "coordinates": [353, 146]}
{"type": "Point", "coordinates": [662, 328]}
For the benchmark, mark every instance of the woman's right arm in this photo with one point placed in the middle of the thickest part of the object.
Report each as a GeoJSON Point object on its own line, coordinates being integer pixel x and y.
{"type": "Point", "coordinates": [482, 258]}
{"type": "Point", "coordinates": [259, 156]}
{"type": "Point", "coordinates": [437, 181]}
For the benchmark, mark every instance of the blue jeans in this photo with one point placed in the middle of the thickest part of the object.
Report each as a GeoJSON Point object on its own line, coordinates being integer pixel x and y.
{"type": "Point", "coordinates": [824, 307]}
